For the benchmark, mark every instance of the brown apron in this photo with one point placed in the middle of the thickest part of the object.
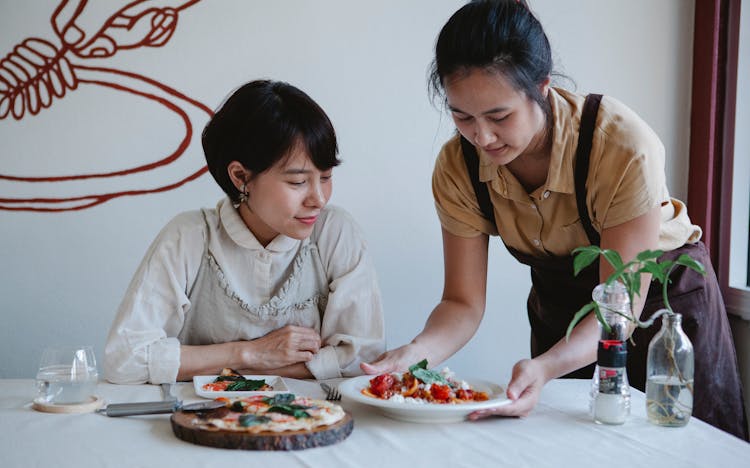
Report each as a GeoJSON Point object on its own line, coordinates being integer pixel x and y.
{"type": "Point", "coordinates": [556, 295]}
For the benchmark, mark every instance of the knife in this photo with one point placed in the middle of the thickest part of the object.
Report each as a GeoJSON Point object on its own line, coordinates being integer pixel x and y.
{"type": "Point", "coordinates": [157, 407]}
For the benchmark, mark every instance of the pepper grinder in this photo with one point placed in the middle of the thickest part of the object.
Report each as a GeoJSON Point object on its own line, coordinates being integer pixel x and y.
{"type": "Point", "coordinates": [612, 401]}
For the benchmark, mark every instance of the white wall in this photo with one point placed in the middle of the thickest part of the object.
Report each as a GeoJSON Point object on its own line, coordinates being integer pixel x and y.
{"type": "Point", "coordinates": [63, 274]}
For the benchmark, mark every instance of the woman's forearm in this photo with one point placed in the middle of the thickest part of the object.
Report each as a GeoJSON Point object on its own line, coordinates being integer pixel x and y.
{"type": "Point", "coordinates": [209, 359]}
{"type": "Point", "coordinates": [294, 371]}
{"type": "Point", "coordinates": [568, 356]}
{"type": "Point", "coordinates": [449, 327]}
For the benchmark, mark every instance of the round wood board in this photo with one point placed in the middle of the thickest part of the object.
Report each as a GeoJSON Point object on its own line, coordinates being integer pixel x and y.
{"type": "Point", "coordinates": [183, 428]}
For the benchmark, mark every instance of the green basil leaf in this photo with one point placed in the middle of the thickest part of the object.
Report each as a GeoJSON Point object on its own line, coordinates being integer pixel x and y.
{"type": "Point", "coordinates": [245, 385]}
{"type": "Point", "coordinates": [252, 420]}
{"type": "Point", "coordinates": [233, 378]}
{"type": "Point", "coordinates": [420, 365]}
{"type": "Point", "coordinates": [280, 399]}
{"type": "Point", "coordinates": [429, 376]}
{"type": "Point", "coordinates": [298, 411]}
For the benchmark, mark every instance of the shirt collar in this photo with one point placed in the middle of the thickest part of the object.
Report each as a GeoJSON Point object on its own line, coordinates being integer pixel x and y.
{"type": "Point", "coordinates": [566, 116]}
{"type": "Point", "coordinates": [242, 236]}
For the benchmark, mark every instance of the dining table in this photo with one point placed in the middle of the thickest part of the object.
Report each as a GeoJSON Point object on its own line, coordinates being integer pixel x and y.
{"type": "Point", "coordinates": [559, 432]}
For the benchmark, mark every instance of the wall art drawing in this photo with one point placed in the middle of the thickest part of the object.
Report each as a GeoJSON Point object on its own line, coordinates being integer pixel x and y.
{"type": "Point", "coordinates": [38, 73]}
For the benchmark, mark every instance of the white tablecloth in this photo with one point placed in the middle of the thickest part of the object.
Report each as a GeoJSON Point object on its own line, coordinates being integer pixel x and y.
{"type": "Point", "coordinates": [558, 433]}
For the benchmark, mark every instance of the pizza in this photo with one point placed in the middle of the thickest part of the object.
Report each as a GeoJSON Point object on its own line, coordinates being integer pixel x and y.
{"type": "Point", "coordinates": [278, 413]}
{"type": "Point", "coordinates": [232, 381]}
{"type": "Point", "coordinates": [423, 385]}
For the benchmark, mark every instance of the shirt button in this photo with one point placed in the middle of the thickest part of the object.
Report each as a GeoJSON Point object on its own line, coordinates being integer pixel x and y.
{"type": "Point", "coordinates": [546, 194]}
{"type": "Point", "coordinates": [533, 207]}
{"type": "Point", "coordinates": [536, 242]}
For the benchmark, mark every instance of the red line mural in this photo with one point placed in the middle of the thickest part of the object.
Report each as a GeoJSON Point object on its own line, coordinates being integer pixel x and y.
{"type": "Point", "coordinates": [37, 73]}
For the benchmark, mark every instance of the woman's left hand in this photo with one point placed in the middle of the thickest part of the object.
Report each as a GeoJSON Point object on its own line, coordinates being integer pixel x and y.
{"type": "Point", "coordinates": [524, 389]}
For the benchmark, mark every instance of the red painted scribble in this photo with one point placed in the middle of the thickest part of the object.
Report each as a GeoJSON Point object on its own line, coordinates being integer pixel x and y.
{"type": "Point", "coordinates": [37, 72]}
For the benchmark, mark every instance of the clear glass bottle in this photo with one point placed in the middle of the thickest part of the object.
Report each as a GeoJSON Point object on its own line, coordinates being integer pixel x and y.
{"type": "Point", "coordinates": [613, 300]}
{"type": "Point", "coordinates": [669, 374]}
{"type": "Point", "coordinates": [614, 305]}
{"type": "Point", "coordinates": [611, 405]}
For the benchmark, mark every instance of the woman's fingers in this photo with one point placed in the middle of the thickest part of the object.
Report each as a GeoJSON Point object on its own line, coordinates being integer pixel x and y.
{"type": "Point", "coordinates": [524, 389]}
{"type": "Point", "coordinates": [390, 361]}
{"type": "Point", "coordinates": [296, 338]}
{"type": "Point", "coordinates": [379, 366]}
{"type": "Point", "coordinates": [396, 360]}
{"type": "Point", "coordinates": [285, 346]}
{"type": "Point", "coordinates": [306, 340]}
{"type": "Point", "coordinates": [518, 408]}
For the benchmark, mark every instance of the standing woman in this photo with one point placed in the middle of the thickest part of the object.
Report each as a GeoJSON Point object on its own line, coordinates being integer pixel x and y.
{"type": "Point", "coordinates": [511, 171]}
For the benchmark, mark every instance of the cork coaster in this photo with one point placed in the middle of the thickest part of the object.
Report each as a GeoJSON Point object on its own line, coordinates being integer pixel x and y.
{"type": "Point", "coordinates": [92, 404]}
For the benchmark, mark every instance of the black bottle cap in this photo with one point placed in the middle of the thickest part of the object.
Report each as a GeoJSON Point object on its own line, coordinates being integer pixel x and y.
{"type": "Point", "coordinates": [612, 353]}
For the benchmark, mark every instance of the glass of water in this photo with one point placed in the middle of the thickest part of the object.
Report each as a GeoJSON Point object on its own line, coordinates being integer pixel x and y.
{"type": "Point", "coordinates": [67, 375]}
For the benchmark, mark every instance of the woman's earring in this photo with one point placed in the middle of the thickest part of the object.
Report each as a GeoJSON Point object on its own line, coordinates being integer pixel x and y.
{"type": "Point", "coordinates": [242, 198]}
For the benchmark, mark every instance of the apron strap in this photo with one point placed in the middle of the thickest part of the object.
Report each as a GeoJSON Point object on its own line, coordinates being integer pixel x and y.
{"type": "Point", "coordinates": [471, 158]}
{"type": "Point", "coordinates": [583, 151]}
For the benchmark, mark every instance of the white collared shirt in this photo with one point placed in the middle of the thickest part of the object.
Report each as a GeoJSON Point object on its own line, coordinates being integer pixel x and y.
{"type": "Point", "coordinates": [145, 338]}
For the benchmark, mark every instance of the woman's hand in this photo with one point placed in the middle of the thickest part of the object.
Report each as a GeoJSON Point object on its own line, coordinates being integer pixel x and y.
{"type": "Point", "coordinates": [524, 388]}
{"type": "Point", "coordinates": [283, 350]}
{"type": "Point", "coordinates": [395, 360]}
{"type": "Point", "coordinates": [282, 347]}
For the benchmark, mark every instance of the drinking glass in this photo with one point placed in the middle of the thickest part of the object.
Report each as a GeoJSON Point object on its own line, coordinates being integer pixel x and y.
{"type": "Point", "coordinates": [67, 375]}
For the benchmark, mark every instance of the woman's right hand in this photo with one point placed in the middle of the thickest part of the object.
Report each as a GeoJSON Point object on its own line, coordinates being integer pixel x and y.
{"type": "Point", "coordinates": [395, 360]}
{"type": "Point", "coordinates": [282, 347]}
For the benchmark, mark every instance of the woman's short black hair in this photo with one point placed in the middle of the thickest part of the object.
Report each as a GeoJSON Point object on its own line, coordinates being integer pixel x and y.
{"type": "Point", "coordinates": [502, 36]}
{"type": "Point", "coordinates": [259, 124]}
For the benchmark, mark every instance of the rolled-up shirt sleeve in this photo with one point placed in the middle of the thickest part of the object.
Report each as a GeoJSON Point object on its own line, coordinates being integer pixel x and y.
{"type": "Point", "coordinates": [142, 344]}
{"type": "Point", "coordinates": [352, 329]}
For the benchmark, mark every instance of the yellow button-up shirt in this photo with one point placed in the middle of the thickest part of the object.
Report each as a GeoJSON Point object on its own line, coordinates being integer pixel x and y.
{"type": "Point", "coordinates": [625, 180]}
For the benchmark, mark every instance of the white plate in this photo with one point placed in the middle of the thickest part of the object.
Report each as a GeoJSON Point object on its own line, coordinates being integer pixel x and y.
{"type": "Point", "coordinates": [424, 413]}
{"type": "Point", "coordinates": [273, 380]}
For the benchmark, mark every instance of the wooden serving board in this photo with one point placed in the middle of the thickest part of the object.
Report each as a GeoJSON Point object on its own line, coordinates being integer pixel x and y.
{"type": "Point", "coordinates": [184, 428]}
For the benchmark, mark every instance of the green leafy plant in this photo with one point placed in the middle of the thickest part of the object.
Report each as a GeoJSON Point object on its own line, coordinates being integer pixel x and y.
{"type": "Point", "coordinates": [629, 274]}
{"type": "Point", "coordinates": [664, 404]}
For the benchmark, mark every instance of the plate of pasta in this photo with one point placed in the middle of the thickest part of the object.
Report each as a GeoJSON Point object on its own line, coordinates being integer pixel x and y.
{"type": "Point", "coordinates": [424, 395]}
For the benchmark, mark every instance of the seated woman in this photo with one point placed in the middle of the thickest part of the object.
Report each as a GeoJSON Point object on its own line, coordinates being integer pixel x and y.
{"type": "Point", "coordinates": [271, 281]}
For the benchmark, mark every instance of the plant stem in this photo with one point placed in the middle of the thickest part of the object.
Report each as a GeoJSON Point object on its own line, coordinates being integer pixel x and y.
{"type": "Point", "coordinates": [664, 285]}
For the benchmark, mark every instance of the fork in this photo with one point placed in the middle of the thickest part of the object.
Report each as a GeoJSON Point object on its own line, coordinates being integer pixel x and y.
{"type": "Point", "coordinates": [332, 393]}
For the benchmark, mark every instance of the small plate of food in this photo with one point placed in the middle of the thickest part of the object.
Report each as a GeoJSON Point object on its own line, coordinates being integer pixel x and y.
{"type": "Point", "coordinates": [231, 383]}
{"type": "Point", "coordinates": [424, 395]}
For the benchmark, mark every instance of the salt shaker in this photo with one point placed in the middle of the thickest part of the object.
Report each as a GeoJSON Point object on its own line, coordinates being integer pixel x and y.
{"type": "Point", "coordinates": [614, 305]}
{"type": "Point", "coordinates": [612, 401]}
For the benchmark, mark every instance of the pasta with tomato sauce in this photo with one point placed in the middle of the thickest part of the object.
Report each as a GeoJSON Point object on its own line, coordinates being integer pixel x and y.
{"type": "Point", "coordinates": [422, 385]}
